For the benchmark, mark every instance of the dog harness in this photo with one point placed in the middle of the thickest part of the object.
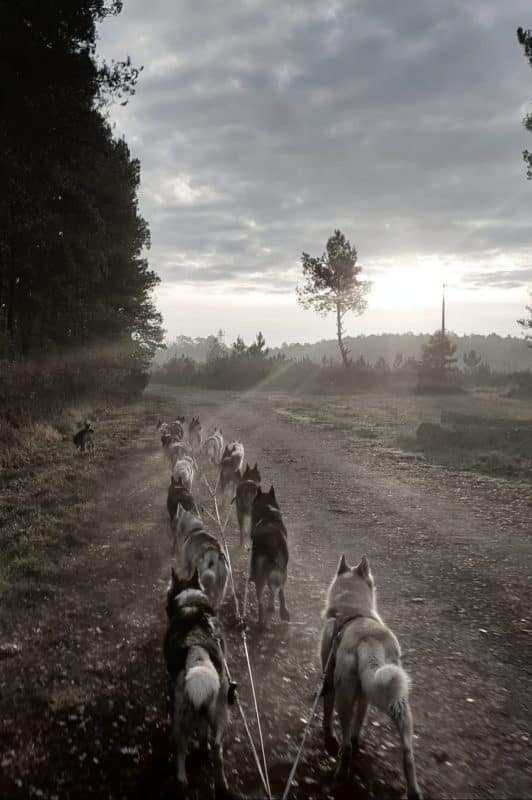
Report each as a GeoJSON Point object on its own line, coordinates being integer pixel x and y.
{"type": "Point", "coordinates": [340, 624]}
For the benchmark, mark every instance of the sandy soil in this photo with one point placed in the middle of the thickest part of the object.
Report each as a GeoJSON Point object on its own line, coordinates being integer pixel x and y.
{"type": "Point", "coordinates": [82, 700]}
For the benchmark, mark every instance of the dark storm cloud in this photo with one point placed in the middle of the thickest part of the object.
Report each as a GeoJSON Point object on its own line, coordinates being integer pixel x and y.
{"type": "Point", "coordinates": [261, 127]}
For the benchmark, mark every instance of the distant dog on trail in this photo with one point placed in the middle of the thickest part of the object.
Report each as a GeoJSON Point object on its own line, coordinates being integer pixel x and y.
{"type": "Point", "coordinates": [214, 446]}
{"type": "Point", "coordinates": [365, 668]}
{"type": "Point", "coordinates": [269, 552]}
{"type": "Point", "coordinates": [231, 467]}
{"type": "Point", "coordinates": [183, 469]}
{"type": "Point", "coordinates": [194, 651]}
{"type": "Point", "coordinates": [245, 495]}
{"type": "Point", "coordinates": [199, 550]}
{"type": "Point", "coordinates": [195, 435]}
{"type": "Point", "coordinates": [178, 495]}
{"type": "Point", "coordinates": [84, 439]}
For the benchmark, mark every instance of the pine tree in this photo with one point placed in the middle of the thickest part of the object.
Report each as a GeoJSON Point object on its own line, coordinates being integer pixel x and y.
{"type": "Point", "coordinates": [525, 40]}
{"type": "Point", "coordinates": [332, 284]}
{"type": "Point", "coordinates": [438, 358]}
{"type": "Point", "coordinates": [526, 324]}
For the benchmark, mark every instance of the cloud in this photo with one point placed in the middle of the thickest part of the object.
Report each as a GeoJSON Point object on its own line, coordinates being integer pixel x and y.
{"type": "Point", "coordinates": [500, 279]}
{"type": "Point", "coordinates": [261, 127]}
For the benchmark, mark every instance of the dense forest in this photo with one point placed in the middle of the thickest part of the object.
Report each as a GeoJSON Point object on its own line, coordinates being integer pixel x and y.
{"type": "Point", "coordinates": [75, 286]}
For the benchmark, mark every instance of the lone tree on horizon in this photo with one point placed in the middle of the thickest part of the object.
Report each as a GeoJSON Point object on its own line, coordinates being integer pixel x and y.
{"type": "Point", "coordinates": [332, 285]}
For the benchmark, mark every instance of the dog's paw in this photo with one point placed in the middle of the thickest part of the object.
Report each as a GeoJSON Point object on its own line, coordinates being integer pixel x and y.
{"type": "Point", "coordinates": [285, 616]}
{"type": "Point", "coordinates": [332, 746]}
{"type": "Point", "coordinates": [344, 767]}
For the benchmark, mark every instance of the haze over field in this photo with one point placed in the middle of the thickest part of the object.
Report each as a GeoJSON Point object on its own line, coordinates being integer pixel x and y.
{"type": "Point", "coordinates": [261, 127]}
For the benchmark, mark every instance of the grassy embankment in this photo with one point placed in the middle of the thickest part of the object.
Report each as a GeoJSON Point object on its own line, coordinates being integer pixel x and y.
{"type": "Point", "coordinates": [483, 431]}
{"type": "Point", "coordinates": [48, 490]}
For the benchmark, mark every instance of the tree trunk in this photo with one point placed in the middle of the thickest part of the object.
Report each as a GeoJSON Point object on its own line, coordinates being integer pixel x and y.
{"type": "Point", "coordinates": [339, 333]}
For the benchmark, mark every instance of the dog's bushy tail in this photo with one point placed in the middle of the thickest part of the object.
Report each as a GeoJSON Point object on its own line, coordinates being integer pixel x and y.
{"type": "Point", "coordinates": [384, 684]}
{"type": "Point", "coordinates": [202, 682]}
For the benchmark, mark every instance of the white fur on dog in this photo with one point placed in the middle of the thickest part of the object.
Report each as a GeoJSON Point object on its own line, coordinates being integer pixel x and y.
{"type": "Point", "coordinates": [202, 682]}
{"type": "Point", "coordinates": [184, 469]}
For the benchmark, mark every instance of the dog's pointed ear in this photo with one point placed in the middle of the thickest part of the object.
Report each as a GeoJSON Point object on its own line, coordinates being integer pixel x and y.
{"type": "Point", "coordinates": [174, 580]}
{"type": "Point", "coordinates": [195, 581]}
{"type": "Point", "coordinates": [271, 493]}
{"type": "Point", "coordinates": [363, 567]}
{"type": "Point", "coordinates": [172, 480]}
{"type": "Point", "coordinates": [256, 467]}
{"type": "Point", "coordinates": [342, 566]}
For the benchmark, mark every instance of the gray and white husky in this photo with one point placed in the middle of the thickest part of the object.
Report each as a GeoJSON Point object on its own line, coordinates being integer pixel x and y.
{"type": "Point", "coordinates": [195, 435]}
{"type": "Point", "coordinates": [214, 447]}
{"type": "Point", "coordinates": [194, 650]}
{"type": "Point", "coordinates": [183, 470]}
{"type": "Point", "coordinates": [231, 467]}
{"type": "Point", "coordinates": [365, 668]}
{"type": "Point", "coordinates": [175, 450]}
{"type": "Point", "coordinates": [199, 550]}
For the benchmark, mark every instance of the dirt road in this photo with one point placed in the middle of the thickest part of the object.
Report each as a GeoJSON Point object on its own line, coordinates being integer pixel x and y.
{"type": "Point", "coordinates": [82, 703]}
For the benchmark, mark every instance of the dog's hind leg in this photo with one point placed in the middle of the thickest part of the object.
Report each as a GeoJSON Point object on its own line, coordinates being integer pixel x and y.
{"type": "Point", "coordinates": [345, 690]}
{"type": "Point", "coordinates": [327, 664]}
{"type": "Point", "coordinates": [259, 588]}
{"type": "Point", "coordinates": [181, 754]}
{"type": "Point", "coordinates": [329, 739]}
{"type": "Point", "coordinates": [218, 721]}
{"type": "Point", "coordinates": [271, 604]}
{"type": "Point", "coordinates": [358, 721]}
{"type": "Point", "coordinates": [402, 716]}
{"type": "Point", "coordinates": [283, 611]}
{"type": "Point", "coordinates": [220, 781]}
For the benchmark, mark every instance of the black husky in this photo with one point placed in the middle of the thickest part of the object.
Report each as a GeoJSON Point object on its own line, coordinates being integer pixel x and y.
{"type": "Point", "coordinates": [269, 552]}
{"type": "Point", "coordinates": [194, 650]}
{"type": "Point", "coordinates": [84, 439]}
{"type": "Point", "coordinates": [179, 495]}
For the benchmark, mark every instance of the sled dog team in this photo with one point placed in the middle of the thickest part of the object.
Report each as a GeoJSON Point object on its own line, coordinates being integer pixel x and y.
{"type": "Point", "coordinates": [360, 655]}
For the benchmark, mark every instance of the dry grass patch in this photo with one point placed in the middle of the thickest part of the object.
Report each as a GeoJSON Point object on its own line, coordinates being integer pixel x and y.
{"type": "Point", "coordinates": [495, 437]}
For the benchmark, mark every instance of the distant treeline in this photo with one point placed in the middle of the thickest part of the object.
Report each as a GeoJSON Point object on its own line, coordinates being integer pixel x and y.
{"type": "Point", "coordinates": [500, 354]}
{"type": "Point", "coordinates": [75, 287]}
{"type": "Point", "coordinates": [240, 366]}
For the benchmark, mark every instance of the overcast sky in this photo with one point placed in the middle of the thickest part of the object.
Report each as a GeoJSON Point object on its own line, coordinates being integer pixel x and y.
{"type": "Point", "coordinates": [262, 126]}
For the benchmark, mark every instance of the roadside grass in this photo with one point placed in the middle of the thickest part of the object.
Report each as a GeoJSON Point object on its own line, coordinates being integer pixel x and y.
{"type": "Point", "coordinates": [490, 433]}
{"type": "Point", "coordinates": [48, 489]}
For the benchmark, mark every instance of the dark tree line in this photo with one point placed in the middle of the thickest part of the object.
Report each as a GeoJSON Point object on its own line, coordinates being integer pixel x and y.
{"type": "Point", "coordinates": [73, 275]}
